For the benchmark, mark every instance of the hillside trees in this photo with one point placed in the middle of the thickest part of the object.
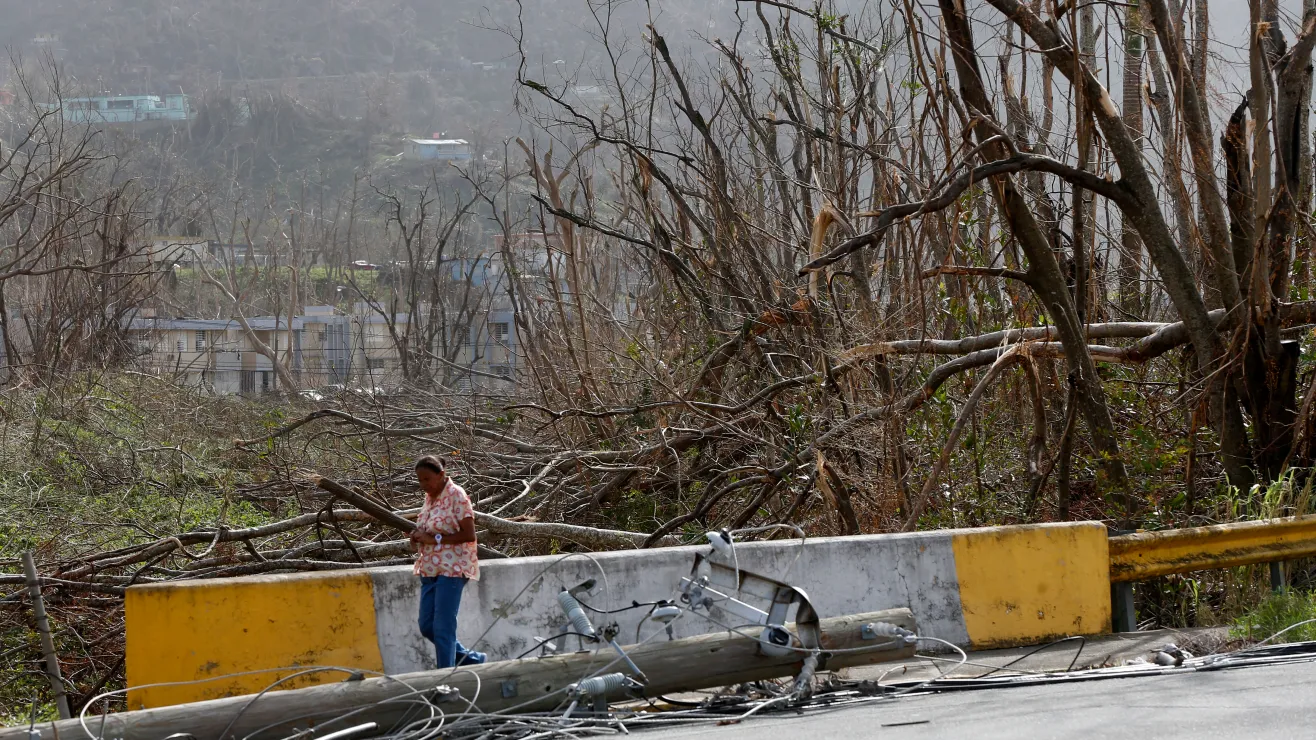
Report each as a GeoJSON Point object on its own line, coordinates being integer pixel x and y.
{"type": "Point", "coordinates": [856, 150]}
{"type": "Point", "coordinates": [73, 265]}
{"type": "Point", "coordinates": [438, 290]}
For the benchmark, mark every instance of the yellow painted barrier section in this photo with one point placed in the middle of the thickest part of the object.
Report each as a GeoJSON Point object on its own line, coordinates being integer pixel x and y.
{"type": "Point", "coordinates": [190, 631]}
{"type": "Point", "coordinates": [1029, 584]}
{"type": "Point", "coordinates": [1136, 557]}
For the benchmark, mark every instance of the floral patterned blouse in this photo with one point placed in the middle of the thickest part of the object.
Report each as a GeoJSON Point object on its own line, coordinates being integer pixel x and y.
{"type": "Point", "coordinates": [443, 514]}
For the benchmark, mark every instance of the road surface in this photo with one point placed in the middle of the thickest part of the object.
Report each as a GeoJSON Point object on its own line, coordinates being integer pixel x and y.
{"type": "Point", "coordinates": [1254, 702]}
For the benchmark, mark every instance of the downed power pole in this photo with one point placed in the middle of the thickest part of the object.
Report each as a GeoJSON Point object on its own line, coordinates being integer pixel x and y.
{"type": "Point", "coordinates": [538, 684]}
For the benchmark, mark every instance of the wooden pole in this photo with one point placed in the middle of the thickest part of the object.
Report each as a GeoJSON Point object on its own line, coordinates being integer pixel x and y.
{"type": "Point", "coordinates": [536, 684]}
{"type": "Point", "coordinates": [47, 642]}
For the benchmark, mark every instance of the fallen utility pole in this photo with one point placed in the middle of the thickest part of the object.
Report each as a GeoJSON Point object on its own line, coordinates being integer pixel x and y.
{"type": "Point", "coordinates": [47, 642]}
{"type": "Point", "coordinates": [537, 684]}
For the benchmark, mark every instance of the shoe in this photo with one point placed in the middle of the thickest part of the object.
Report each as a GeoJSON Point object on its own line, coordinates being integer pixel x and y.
{"type": "Point", "coordinates": [472, 658]}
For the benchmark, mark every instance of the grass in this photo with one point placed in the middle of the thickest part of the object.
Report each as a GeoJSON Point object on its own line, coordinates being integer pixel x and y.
{"type": "Point", "coordinates": [99, 464]}
{"type": "Point", "coordinates": [1278, 612]}
{"type": "Point", "coordinates": [106, 461]}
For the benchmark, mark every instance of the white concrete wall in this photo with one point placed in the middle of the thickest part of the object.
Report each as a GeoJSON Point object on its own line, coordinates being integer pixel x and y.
{"type": "Point", "coordinates": [841, 575]}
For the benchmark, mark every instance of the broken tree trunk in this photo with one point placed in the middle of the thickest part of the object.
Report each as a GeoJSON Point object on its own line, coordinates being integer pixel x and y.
{"type": "Point", "coordinates": [537, 684]}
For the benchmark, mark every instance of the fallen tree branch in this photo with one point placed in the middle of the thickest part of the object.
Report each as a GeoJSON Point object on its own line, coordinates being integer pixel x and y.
{"type": "Point", "coordinates": [82, 567]}
{"type": "Point", "coordinates": [1158, 334]}
{"type": "Point", "coordinates": [596, 539]}
{"type": "Point", "coordinates": [969, 271]}
{"type": "Point", "coordinates": [371, 426]}
{"type": "Point", "coordinates": [96, 588]}
{"type": "Point", "coordinates": [966, 413]}
{"type": "Point", "coordinates": [601, 539]}
{"type": "Point", "coordinates": [273, 566]}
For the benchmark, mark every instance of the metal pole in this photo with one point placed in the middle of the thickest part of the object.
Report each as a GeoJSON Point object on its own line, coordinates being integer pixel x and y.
{"type": "Point", "coordinates": [1122, 615]}
{"type": "Point", "coordinates": [47, 643]}
{"type": "Point", "coordinates": [1277, 576]}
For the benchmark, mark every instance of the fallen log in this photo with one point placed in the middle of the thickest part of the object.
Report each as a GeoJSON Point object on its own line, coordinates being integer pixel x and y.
{"type": "Point", "coordinates": [537, 684]}
{"type": "Point", "coordinates": [384, 514]}
{"type": "Point", "coordinates": [591, 537]}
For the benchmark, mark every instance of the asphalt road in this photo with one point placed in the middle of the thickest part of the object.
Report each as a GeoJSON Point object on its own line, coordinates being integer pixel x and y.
{"type": "Point", "coordinates": [1254, 702]}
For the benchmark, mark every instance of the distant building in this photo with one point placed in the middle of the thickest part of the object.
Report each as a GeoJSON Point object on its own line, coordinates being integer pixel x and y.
{"type": "Point", "coordinates": [448, 150]}
{"type": "Point", "coordinates": [491, 346]}
{"type": "Point", "coordinates": [327, 347]}
{"type": "Point", "coordinates": [189, 251]}
{"type": "Point", "coordinates": [120, 109]}
{"type": "Point", "coordinates": [176, 250]}
{"type": "Point", "coordinates": [532, 250]}
{"type": "Point", "coordinates": [469, 340]}
{"type": "Point", "coordinates": [237, 255]}
{"type": "Point", "coordinates": [374, 353]}
{"type": "Point", "coordinates": [215, 353]}
{"type": "Point", "coordinates": [591, 93]}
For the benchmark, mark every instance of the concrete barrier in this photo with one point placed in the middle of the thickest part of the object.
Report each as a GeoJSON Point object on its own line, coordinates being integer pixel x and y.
{"type": "Point", "coordinates": [975, 588]}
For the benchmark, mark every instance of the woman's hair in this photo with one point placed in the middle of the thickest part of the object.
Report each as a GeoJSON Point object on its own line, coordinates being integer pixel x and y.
{"type": "Point", "coordinates": [432, 463]}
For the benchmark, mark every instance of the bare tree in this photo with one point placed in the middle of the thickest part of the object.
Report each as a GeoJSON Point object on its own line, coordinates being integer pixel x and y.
{"type": "Point", "coordinates": [74, 266]}
{"type": "Point", "coordinates": [437, 294]}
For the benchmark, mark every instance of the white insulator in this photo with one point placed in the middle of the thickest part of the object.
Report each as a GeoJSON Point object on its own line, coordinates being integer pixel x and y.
{"type": "Point", "coordinates": [576, 613]}
{"type": "Point", "coordinates": [886, 629]}
{"type": "Point", "coordinates": [600, 685]}
{"type": "Point", "coordinates": [721, 543]}
{"type": "Point", "coordinates": [665, 614]}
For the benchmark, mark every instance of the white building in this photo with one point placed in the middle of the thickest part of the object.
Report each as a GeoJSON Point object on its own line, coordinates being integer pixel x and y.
{"type": "Point", "coordinates": [436, 149]}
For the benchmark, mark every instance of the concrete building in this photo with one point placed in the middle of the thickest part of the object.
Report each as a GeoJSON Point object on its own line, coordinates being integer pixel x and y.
{"type": "Point", "coordinates": [324, 347]}
{"type": "Point", "coordinates": [123, 109]}
{"type": "Point", "coordinates": [374, 351]}
{"type": "Point", "coordinates": [327, 347]}
{"type": "Point", "coordinates": [495, 348]}
{"type": "Point", "coordinates": [216, 354]}
{"type": "Point", "coordinates": [487, 346]}
{"type": "Point", "coordinates": [176, 250]}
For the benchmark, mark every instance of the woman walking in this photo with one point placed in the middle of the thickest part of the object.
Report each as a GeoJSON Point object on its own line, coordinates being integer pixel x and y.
{"type": "Point", "coordinates": [444, 539]}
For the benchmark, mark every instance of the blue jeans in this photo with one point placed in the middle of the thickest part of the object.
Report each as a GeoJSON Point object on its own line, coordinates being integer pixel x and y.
{"type": "Point", "coordinates": [440, 598]}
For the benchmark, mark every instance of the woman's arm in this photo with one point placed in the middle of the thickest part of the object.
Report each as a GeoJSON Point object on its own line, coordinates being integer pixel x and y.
{"type": "Point", "coordinates": [465, 533]}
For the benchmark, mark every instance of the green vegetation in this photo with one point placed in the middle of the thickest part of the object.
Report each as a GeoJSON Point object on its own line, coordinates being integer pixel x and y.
{"type": "Point", "coordinates": [1277, 613]}
{"type": "Point", "coordinates": [108, 462]}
